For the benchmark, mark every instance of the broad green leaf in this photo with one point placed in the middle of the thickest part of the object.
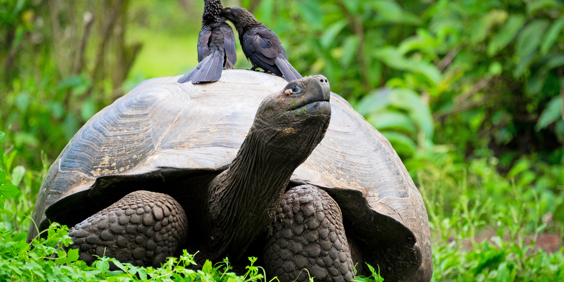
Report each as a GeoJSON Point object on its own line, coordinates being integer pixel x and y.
{"type": "Point", "coordinates": [332, 32]}
{"type": "Point", "coordinates": [142, 274]}
{"type": "Point", "coordinates": [309, 10]}
{"type": "Point", "coordinates": [8, 190]}
{"type": "Point", "coordinates": [530, 38]}
{"type": "Point", "coordinates": [560, 130]}
{"type": "Point", "coordinates": [394, 59]}
{"type": "Point", "coordinates": [418, 110]}
{"type": "Point", "coordinates": [352, 5]}
{"type": "Point", "coordinates": [554, 63]}
{"type": "Point", "coordinates": [535, 5]}
{"type": "Point", "coordinates": [391, 12]}
{"type": "Point", "coordinates": [388, 10]}
{"type": "Point", "coordinates": [552, 35]}
{"type": "Point", "coordinates": [72, 82]}
{"type": "Point", "coordinates": [2, 134]}
{"type": "Point", "coordinates": [2, 177]}
{"type": "Point", "coordinates": [389, 120]}
{"type": "Point", "coordinates": [414, 43]}
{"type": "Point", "coordinates": [207, 268]}
{"type": "Point", "coordinates": [521, 166]}
{"type": "Point", "coordinates": [132, 270]}
{"type": "Point", "coordinates": [374, 101]}
{"type": "Point", "coordinates": [72, 255]}
{"type": "Point", "coordinates": [483, 26]}
{"type": "Point", "coordinates": [550, 114]}
{"type": "Point", "coordinates": [17, 175]}
{"type": "Point", "coordinates": [506, 34]}
{"type": "Point", "coordinates": [119, 265]}
{"type": "Point", "coordinates": [102, 265]}
{"type": "Point", "coordinates": [401, 143]}
{"type": "Point", "coordinates": [523, 65]}
{"type": "Point", "coordinates": [62, 257]}
{"type": "Point", "coordinates": [535, 83]}
{"type": "Point", "coordinates": [350, 46]}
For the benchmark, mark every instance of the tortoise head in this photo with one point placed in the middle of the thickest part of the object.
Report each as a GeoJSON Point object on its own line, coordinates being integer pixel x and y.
{"type": "Point", "coordinates": [293, 121]}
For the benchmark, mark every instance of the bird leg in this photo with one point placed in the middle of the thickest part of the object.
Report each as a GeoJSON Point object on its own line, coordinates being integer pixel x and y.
{"type": "Point", "coordinates": [308, 234]}
{"type": "Point", "coordinates": [254, 68]}
{"type": "Point", "coordinates": [143, 228]}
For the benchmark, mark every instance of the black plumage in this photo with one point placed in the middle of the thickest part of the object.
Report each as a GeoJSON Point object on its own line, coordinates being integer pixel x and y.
{"type": "Point", "coordinates": [216, 46]}
{"type": "Point", "coordinates": [260, 44]}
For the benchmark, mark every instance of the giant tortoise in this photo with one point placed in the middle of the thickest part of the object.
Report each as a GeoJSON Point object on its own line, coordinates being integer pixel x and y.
{"type": "Point", "coordinates": [174, 166]}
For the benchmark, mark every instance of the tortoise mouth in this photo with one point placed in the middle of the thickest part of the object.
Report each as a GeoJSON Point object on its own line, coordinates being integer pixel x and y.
{"type": "Point", "coordinates": [313, 107]}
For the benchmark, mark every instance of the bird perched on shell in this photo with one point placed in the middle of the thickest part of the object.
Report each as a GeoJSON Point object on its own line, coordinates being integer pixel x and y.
{"type": "Point", "coordinates": [260, 44]}
{"type": "Point", "coordinates": [216, 46]}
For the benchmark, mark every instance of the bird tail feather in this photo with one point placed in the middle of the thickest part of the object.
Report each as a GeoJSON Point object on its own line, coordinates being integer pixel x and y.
{"type": "Point", "coordinates": [289, 72]}
{"type": "Point", "coordinates": [208, 70]}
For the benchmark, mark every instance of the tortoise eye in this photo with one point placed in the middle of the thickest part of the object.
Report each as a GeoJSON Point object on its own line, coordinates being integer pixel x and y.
{"type": "Point", "coordinates": [296, 89]}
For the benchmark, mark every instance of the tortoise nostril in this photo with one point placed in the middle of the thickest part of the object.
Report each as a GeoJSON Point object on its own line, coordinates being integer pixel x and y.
{"type": "Point", "coordinates": [321, 80]}
{"type": "Point", "coordinates": [326, 80]}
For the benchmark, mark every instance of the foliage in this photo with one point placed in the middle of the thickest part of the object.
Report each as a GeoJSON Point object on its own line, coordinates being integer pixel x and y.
{"type": "Point", "coordinates": [485, 226]}
{"type": "Point", "coordinates": [8, 188]}
{"type": "Point", "coordinates": [47, 260]}
{"type": "Point", "coordinates": [491, 69]}
{"type": "Point", "coordinates": [469, 93]}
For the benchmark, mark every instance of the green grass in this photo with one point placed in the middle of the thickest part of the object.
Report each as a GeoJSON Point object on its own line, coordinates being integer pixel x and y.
{"type": "Point", "coordinates": [464, 200]}
{"type": "Point", "coordinates": [45, 260]}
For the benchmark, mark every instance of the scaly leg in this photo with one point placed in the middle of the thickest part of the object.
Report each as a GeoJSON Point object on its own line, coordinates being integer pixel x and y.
{"type": "Point", "coordinates": [308, 233]}
{"type": "Point", "coordinates": [143, 228]}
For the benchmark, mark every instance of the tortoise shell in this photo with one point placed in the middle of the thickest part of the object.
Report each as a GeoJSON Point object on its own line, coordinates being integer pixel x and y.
{"type": "Point", "coordinates": [162, 129]}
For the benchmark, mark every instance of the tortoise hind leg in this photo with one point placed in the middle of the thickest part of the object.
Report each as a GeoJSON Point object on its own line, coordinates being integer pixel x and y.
{"type": "Point", "coordinates": [308, 233]}
{"type": "Point", "coordinates": [143, 228]}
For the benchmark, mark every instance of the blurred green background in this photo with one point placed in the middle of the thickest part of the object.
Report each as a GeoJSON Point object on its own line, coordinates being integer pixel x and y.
{"type": "Point", "coordinates": [470, 93]}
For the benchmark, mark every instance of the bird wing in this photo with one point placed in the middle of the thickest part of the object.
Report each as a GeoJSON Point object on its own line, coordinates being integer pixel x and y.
{"type": "Point", "coordinates": [229, 45]}
{"type": "Point", "coordinates": [260, 46]}
{"type": "Point", "coordinates": [203, 41]}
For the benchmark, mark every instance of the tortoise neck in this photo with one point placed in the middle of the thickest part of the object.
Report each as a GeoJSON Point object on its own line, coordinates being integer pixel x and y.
{"type": "Point", "coordinates": [242, 199]}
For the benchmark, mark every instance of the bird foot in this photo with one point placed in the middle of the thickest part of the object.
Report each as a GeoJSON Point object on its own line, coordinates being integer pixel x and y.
{"type": "Point", "coordinates": [255, 69]}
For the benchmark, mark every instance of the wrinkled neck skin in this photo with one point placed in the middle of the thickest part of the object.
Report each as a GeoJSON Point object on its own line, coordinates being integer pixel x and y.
{"type": "Point", "coordinates": [242, 199]}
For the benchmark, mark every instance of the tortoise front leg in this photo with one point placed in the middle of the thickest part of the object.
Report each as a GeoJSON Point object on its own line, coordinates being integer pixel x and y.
{"type": "Point", "coordinates": [143, 228]}
{"type": "Point", "coordinates": [308, 233]}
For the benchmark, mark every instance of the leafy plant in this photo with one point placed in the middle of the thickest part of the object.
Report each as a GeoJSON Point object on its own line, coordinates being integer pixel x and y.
{"type": "Point", "coordinates": [8, 188]}
{"type": "Point", "coordinates": [469, 93]}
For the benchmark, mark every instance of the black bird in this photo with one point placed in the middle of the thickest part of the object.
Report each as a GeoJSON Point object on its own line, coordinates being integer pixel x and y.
{"type": "Point", "coordinates": [216, 46]}
{"type": "Point", "coordinates": [260, 44]}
